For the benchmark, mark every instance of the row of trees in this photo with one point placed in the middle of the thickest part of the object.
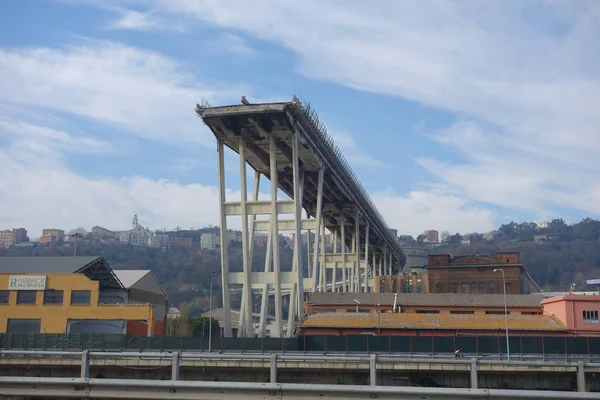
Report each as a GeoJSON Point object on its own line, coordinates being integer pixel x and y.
{"type": "Point", "coordinates": [196, 327]}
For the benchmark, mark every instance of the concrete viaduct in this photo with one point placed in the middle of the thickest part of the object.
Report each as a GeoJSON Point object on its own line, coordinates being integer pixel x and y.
{"type": "Point", "coordinates": [286, 143]}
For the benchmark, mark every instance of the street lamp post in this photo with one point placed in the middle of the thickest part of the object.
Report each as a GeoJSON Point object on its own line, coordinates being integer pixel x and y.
{"type": "Point", "coordinates": [210, 314]}
{"type": "Point", "coordinates": [505, 311]}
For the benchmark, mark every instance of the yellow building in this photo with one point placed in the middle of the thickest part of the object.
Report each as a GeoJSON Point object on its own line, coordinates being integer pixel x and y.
{"type": "Point", "coordinates": [52, 236]}
{"type": "Point", "coordinates": [7, 239]}
{"type": "Point", "coordinates": [64, 295]}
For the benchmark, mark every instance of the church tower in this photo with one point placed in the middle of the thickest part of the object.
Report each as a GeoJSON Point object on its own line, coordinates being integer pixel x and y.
{"type": "Point", "coordinates": [134, 222]}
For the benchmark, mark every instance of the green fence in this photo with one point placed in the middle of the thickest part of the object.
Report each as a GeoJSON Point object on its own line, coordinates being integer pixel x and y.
{"type": "Point", "coordinates": [548, 346]}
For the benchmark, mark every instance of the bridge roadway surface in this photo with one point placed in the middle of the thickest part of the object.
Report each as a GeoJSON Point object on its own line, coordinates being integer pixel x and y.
{"type": "Point", "coordinates": [315, 370]}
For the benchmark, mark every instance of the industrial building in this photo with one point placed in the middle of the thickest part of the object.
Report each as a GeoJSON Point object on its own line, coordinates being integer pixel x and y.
{"type": "Point", "coordinates": [475, 274]}
{"type": "Point", "coordinates": [77, 295]}
{"type": "Point", "coordinates": [438, 304]}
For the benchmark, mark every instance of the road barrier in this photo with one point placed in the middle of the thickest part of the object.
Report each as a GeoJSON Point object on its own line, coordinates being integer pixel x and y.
{"type": "Point", "coordinates": [147, 389]}
{"type": "Point", "coordinates": [520, 346]}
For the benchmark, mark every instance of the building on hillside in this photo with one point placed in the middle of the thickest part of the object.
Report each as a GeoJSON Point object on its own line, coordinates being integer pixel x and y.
{"type": "Point", "coordinates": [542, 224]}
{"type": "Point", "coordinates": [475, 274]}
{"type": "Point", "coordinates": [142, 287]}
{"type": "Point", "coordinates": [159, 240]}
{"type": "Point", "coordinates": [579, 313]}
{"type": "Point", "coordinates": [137, 235]}
{"type": "Point", "coordinates": [432, 236]}
{"type": "Point", "coordinates": [180, 242]}
{"type": "Point", "coordinates": [441, 304]}
{"type": "Point", "coordinates": [209, 240]}
{"type": "Point", "coordinates": [232, 236]}
{"type": "Point", "coordinates": [173, 313]}
{"type": "Point", "coordinates": [69, 295]}
{"type": "Point", "coordinates": [7, 239]}
{"type": "Point", "coordinates": [20, 235]}
{"type": "Point", "coordinates": [52, 236]}
{"type": "Point", "coordinates": [219, 315]}
{"type": "Point", "coordinates": [402, 283]}
{"type": "Point", "coordinates": [99, 233]}
{"type": "Point", "coordinates": [415, 257]}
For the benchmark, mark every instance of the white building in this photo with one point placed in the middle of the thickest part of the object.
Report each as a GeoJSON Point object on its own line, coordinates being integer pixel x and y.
{"type": "Point", "coordinates": [159, 240]}
{"type": "Point", "coordinates": [542, 225]}
{"type": "Point", "coordinates": [7, 239]}
{"type": "Point", "coordinates": [234, 236]}
{"type": "Point", "coordinates": [137, 236]}
{"type": "Point", "coordinates": [209, 240]}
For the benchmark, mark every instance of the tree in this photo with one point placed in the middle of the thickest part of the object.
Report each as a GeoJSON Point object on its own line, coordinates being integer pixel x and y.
{"type": "Point", "coordinates": [444, 236]}
{"type": "Point", "coordinates": [421, 238]}
{"type": "Point", "coordinates": [454, 240]}
{"type": "Point", "coordinates": [202, 325]}
{"type": "Point", "coordinates": [179, 326]}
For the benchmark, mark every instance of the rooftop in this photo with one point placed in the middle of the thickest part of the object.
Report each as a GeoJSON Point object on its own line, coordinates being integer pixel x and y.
{"type": "Point", "coordinates": [426, 299]}
{"type": "Point", "coordinates": [95, 268]}
{"type": "Point", "coordinates": [433, 321]}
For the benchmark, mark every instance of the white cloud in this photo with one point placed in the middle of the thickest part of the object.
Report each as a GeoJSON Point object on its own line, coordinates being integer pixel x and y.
{"type": "Point", "coordinates": [423, 210]}
{"type": "Point", "coordinates": [525, 68]}
{"type": "Point", "coordinates": [140, 92]}
{"type": "Point", "coordinates": [145, 21]}
{"type": "Point", "coordinates": [40, 191]}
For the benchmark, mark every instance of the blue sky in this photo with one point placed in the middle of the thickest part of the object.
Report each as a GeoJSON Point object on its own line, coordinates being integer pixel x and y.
{"type": "Point", "coordinates": [456, 116]}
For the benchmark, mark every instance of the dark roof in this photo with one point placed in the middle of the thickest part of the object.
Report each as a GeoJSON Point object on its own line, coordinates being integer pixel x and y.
{"type": "Point", "coordinates": [44, 265]}
{"type": "Point", "coordinates": [95, 268]}
{"type": "Point", "coordinates": [426, 299]}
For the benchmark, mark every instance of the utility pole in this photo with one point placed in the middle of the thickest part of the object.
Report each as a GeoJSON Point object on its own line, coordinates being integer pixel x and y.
{"type": "Point", "coordinates": [76, 235]}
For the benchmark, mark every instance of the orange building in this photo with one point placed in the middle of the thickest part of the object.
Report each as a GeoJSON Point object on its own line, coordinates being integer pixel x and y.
{"type": "Point", "coordinates": [579, 313]}
{"type": "Point", "coordinates": [52, 236]}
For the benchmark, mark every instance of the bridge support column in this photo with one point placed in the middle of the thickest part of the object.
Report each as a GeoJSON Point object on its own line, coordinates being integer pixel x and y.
{"type": "Point", "coordinates": [248, 329]}
{"type": "Point", "coordinates": [343, 245]}
{"type": "Point", "coordinates": [581, 377]}
{"type": "Point", "coordinates": [366, 276]}
{"type": "Point", "coordinates": [356, 281]}
{"type": "Point", "coordinates": [275, 236]}
{"type": "Point", "coordinates": [175, 366]}
{"type": "Point", "coordinates": [315, 262]}
{"type": "Point", "coordinates": [224, 242]}
{"type": "Point", "coordinates": [85, 364]}
{"type": "Point", "coordinates": [474, 382]}
{"type": "Point", "coordinates": [373, 370]}
{"type": "Point", "coordinates": [334, 273]}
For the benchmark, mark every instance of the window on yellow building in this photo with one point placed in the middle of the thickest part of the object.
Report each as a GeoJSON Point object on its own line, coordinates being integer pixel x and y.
{"type": "Point", "coordinates": [26, 296]}
{"type": "Point", "coordinates": [54, 297]}
{"type": "Point", "coordinates": [80, 297]}
{"type": "Point", "coordinates": [23, 325]}
{"type": "Point", "coordinates": [461, 312]}
{"type": "Point", "coordinates": [4, 296]}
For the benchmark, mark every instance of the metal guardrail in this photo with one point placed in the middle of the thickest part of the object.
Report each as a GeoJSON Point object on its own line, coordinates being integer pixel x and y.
{"type": "Point", "coordinates": [145, 389]}
{"type": "Point", "coordinates": [372, 362]}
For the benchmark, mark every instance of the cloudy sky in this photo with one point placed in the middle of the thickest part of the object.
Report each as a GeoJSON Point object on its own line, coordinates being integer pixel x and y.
{"type": "Point", "coordinates": [456, 115]}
